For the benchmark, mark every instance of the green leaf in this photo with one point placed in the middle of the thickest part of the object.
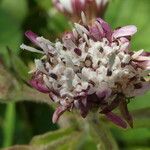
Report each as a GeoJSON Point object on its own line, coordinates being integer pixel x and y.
{"type": "Point", "coordinates": [137, 148]}
{"type": "Point", "coordinates": [135, 136]}
{"type": "Point", "coordinates": [58, 140]}
{"type": "Point", "coordinates": [13, 7]}
{"type": "Point", "coordinates": [11, 34]}
{"type": "Point", "coordinates": [46, 4]}
{"type": "Point", "coordinates": [60, 143]}
{"type": "Point", "coordinates": [12, 14]}
{"type": "Point", "coordinates": [58, 24]}
{"type": "Point", "coordinates": [87, 142]}
{"type": "Point", "coordinates": [141, 118]}
{"type": "Point", "coordinates": [140, 102]}
{"type": "Point", "coordinates": [20, 147]}
{"type": "Point", "coordinates": [51, 136]}
{"type": "Point", "coordinates": [5, 83]}
{"type": "Point", "coordinates": [21, 70]}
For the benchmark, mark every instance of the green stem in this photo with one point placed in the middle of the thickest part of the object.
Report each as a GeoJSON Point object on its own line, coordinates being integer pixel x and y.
{"type": "Point", "coordinates": [101, 133]}
{"type": "Point", "coordinates": [9, 125]}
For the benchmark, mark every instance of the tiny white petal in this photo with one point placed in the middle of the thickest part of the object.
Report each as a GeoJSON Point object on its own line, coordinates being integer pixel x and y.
{"type": "Point", "coordinates": [31, 49]}
{"type": "Point", "coordinates": [137, 54]}
{"type": "Point", "coordinates": [67, 4]}
{"type": "Point", "coordinates": [40, 66]}
{"type": "Point", "coordinates": [81, 29]}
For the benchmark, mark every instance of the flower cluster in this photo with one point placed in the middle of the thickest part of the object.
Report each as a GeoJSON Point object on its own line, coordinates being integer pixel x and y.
{"type": "Point", "coordinates": [91, 68]}
{"type": "Point", "coordinates": [73, 8]}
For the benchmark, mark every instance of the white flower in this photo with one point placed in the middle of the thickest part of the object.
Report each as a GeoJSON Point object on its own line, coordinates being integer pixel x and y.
{"type": "Point", "coordinates": [91, 67]}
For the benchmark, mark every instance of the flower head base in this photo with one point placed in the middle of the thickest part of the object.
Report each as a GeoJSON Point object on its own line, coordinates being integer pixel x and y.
{"type": "Point", "coordinates": [73, 8]}
{"type": "Point", "coordinates": [91, 68]}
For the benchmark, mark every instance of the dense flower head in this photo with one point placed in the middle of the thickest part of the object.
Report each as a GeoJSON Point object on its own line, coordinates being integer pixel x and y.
{"type": "Point", "coordinates": [73, 8]}
{"type": "Point", "coordinates": [91, 68]}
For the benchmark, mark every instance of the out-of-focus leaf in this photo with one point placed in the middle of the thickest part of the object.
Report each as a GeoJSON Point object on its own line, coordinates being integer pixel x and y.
{"type": "Point", "coordinates": [140, 102]}
{"type": "Point", "coordinates": [142, 113]}
{"type": "Point", "coordinates": [135, 12]}
{"type": "Point", "coordinates": [87, 142]}
{"type": "Point", "coordinates": [50, 137]}
{"type": "Point", "coordinates": [9, 125]}
{"type": "Point", "coordinates": [141, 117]}
{"type": "Point", "coordinates": [58, 140]}
{"type": "Point", "coordinates": [63, 143]}
{"type": "Point", "coordinates": [135, 136]}
{"type": "Point", "coordinates": [4, 84]}
{"type": "Point", "coordinates": [11, 90]}
{"type": "Point", "coordinates": [12, 14]}
{"type": "Point", "coordinates": [13, 7]}
{"type": "Point", "coordinates": [20, 147]}
{"type": "Point", "coordinates": [57, 23]}
{"type": "Point", "coordinates": [21, 70]}
{"type": "Point", "coordinates": [46, 4]}
{"type": "Point", "coordinates": [10, 33]}
{"type": "Point", "coordinates": [73, 143]}
{"type": "Point", "coordinates": [136, 148]}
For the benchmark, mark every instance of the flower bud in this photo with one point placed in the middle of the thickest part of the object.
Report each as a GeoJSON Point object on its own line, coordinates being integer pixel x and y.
{"type": "Point", "coordinates": [73, 8]}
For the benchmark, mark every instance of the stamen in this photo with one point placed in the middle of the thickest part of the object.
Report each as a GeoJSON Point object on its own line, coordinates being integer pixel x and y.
{"type": "Point", "coordinates": [88, 63]}
{"type": "Point", "coordinates": [78, 51]}
{"type": "Point", "coordinates": [109, 72]}
{"type": "Point", "coordinates": [53, 75]}
{"type": "Point", "coordinates": [101, 50]}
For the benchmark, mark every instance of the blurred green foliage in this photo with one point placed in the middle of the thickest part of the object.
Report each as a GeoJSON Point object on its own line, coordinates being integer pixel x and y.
{"type": "Point", "coordinates": [19, 122]}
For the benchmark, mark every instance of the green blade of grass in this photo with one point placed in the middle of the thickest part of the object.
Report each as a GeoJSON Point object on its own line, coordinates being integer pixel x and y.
{"type": "Point", "coordinates": [9, 125]}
